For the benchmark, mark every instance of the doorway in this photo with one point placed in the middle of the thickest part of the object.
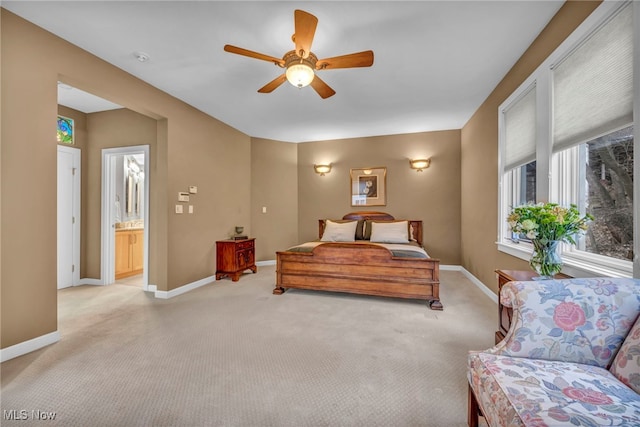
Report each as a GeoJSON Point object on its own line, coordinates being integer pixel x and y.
{"type": "Point", "coordinates": [125, 215]}
{"type": "Point", "coordinates": [68, 216]}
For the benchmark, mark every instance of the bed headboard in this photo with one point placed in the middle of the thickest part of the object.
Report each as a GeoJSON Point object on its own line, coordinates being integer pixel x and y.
{"type": "Point", "coordinates": [375, 216]}
{"type": "Point", "coordinates": [415, 226]}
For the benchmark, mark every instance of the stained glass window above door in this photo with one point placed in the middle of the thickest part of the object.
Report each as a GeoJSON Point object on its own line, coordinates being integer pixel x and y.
{"type": "Point", "coordinates": [65, 130]}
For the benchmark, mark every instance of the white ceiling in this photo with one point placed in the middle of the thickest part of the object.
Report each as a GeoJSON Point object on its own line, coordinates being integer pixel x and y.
{"type": "Point", "coordinates": [80, 100]}
{"type": "Point", "coordinates": [435, 61]}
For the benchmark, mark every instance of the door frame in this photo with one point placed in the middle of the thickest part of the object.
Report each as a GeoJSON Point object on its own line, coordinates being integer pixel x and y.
{"type": "Point", "coordinates": [76, 213]}
{"type": "Point", "coordinates": [108, 269]}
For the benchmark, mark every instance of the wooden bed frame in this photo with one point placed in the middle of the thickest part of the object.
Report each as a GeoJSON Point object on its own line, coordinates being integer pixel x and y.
{"type": "Point", "coordinates": [361, 268]}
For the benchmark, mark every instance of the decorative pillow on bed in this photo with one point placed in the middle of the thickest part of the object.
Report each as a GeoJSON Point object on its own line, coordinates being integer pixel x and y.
{"type": "Point", "coordinates": [359, 227]}
{"type": "Point", "coordinates": [366, 227]}
{"type": "Point", "coordinates": [360, 230]}
{"type": "Point", "coordinates": [339, 231]}
{"type": "Point", "coordinates": [390, 232]}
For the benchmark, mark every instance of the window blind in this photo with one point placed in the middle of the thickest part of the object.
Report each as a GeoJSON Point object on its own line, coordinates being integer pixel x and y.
{"type": "Point", "coordinates": [520, 131]}
{"type": "Point", "coordinates": [593, 86]}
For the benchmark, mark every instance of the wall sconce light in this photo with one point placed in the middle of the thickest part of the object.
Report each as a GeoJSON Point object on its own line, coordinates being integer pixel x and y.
{"type": "Point", "coordinates": [420, 164]}
{"type": "Point", "coordinates": [322, 169]}
{"type": "Point", "coordinates": [367, 171]}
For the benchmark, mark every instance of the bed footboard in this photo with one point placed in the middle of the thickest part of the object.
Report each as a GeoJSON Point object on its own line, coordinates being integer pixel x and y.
{"type": "Point", "coordinates": [362, 269]}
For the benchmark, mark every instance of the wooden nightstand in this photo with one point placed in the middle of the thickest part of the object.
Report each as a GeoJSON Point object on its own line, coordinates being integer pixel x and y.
{"type": "Point", "coordinates": [235, 256]}
{"type": "Point", "coordinates": [505, 313]}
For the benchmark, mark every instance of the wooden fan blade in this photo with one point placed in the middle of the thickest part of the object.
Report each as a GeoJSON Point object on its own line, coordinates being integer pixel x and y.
{"type": "Point", "coordinates": [305, 27]}
{"type": "Point", "coordinates": [322, 88]}
{"type": "Point", "coordinates": [360, 59]}
{"type": "Point", "coordinates": [252, 54]}
{"type": "Point", "coordinates": [273, 84]}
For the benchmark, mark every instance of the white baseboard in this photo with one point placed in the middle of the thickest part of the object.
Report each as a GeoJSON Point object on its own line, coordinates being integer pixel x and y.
{"type": "Point", "coordinates": [87, 281]}
{"type": "Point", "coordinates": [185, 288]}
{"type": "Point", "coordinates": [28, 346]}
{"type": "Point", "coordinates": [194, 285]}
{"type": "Point", "coordinates": [188, 287]}
{"type": "Point", "coordinates": [99, 282]}
{"type": "Point", "coordinates": [473, 280]}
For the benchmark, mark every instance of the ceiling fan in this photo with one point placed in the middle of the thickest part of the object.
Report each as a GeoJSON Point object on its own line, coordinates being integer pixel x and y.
{"type": "Point", "coordinates": [301, 62]}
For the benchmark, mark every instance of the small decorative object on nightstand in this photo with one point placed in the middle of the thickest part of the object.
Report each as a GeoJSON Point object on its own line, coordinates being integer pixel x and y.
{"type": "Point", "coordinates": [233, 257]}
{"type": "Point", "coordinates": [238, 235]}
{"type": "Point", "coordinates": [505, 313]}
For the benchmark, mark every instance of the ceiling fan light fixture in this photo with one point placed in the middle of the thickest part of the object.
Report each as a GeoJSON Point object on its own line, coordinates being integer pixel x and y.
{"type": "Point", "coordinates": [300, 75]}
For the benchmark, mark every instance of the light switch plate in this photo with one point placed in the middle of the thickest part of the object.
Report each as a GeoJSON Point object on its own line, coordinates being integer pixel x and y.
{"type": "Point", "coordinates": [178, 209]}
{"type": "Point", "coordinates": [190, 208]}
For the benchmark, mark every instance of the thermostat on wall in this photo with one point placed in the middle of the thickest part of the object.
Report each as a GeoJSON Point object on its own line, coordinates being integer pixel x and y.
{"type": "Point", "coordinates": [193, 189]}
{"type": "Point", "coordinates": [183, 197]}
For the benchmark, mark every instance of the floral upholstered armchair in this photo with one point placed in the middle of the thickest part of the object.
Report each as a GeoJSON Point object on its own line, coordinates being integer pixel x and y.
{"type": "Point", "coordinates": [571, 356]}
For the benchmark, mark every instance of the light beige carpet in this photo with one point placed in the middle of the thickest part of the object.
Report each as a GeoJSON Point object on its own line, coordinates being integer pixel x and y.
{"type": "Point", "coordinates": [234, 354]}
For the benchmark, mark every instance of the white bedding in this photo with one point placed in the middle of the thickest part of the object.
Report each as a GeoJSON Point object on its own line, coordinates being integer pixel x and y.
{"type": "Point", "coordinates": [389, 246]}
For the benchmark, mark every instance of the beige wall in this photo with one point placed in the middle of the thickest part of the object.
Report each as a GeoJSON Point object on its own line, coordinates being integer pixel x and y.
{"type": "Point", "coordinates": [110, 129]}
{"type": "Point", "coordinates": [192, 149]}
{"type": "Point", "coordinates": [274, 185]}
{"type": "Point", "coordinates": [217, 159]}
{"type": "Point", "coordinates": [432, 196]}
{"type": "Point", "coordinates": [480, 153]}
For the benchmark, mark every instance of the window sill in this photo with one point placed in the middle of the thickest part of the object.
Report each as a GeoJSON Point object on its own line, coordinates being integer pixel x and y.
{"type": "Point", "coordinates": [571, 265]}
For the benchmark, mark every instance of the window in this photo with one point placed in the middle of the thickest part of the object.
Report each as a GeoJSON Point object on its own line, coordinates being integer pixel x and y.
{"type": "Point", "coordinates": [520, 185]}
{"type": "Point", "coordinates": [580, 145]}
{"type": "Point", "coordinates": [65, 130]}
{"type": "Point", "coordinates": [519, 133]}
{"type": "Point", "coordinates": [603, 173]}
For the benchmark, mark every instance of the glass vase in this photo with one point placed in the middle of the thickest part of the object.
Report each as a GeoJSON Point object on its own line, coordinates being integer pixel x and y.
{"type": "Point", "coordinates": [545, 259]}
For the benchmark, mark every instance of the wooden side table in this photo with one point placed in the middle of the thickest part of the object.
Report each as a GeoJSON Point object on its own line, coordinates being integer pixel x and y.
{"type": "Point", "coordinates": [505, 313]}
{"type": "Point", "coordinates": [233, 257]}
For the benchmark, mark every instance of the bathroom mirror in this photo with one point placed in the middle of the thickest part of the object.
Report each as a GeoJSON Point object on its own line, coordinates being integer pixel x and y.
{"type": "Point", "coordinates": [134, 177]}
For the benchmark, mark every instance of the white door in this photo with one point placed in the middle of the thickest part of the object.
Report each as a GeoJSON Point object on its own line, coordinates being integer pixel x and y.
{"type": "Point", "coordinates": [68, 216]}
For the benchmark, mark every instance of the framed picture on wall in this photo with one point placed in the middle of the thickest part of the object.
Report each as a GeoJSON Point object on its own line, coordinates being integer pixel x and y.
{"type": "Point", "coordinates": [369, 186]}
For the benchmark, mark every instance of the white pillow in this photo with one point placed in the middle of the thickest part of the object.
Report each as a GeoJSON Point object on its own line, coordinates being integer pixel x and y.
{"type": "Point", "coordinates": [339, 231]}
{"type": "Point", "coordinates": [390, 232]}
